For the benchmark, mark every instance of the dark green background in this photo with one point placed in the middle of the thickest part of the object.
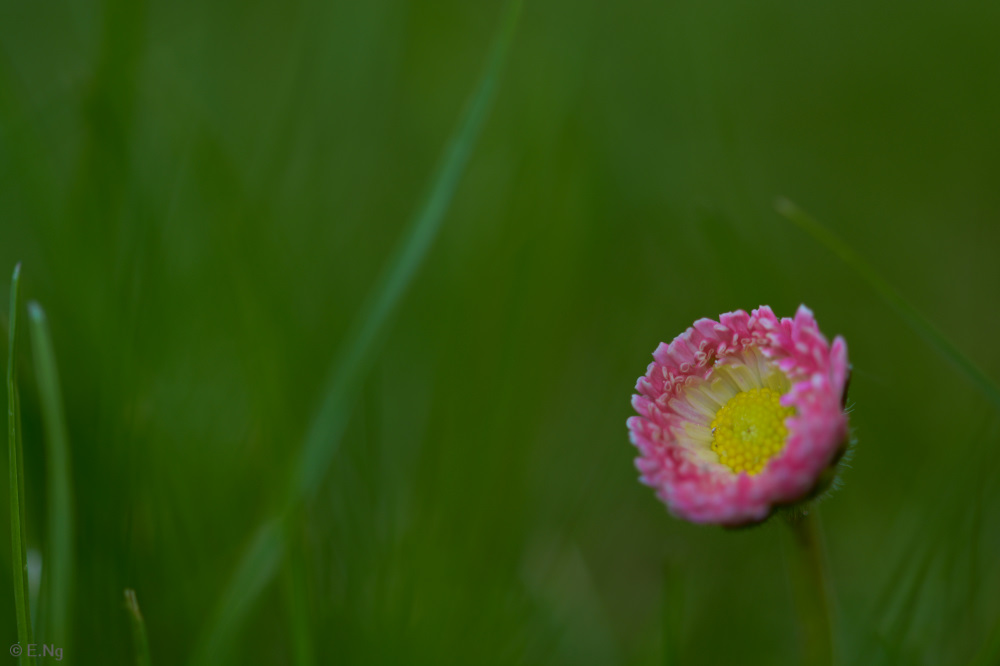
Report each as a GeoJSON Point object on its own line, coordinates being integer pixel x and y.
{"type": "Point", "coordinates": [203, 193]}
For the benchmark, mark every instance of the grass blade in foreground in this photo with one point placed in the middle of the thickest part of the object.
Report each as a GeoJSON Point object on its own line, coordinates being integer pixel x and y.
{"type": "Point", "coordinates": [917, 321]}
{"type": "Point", "coordinates": [260, 562]}
{"type": "Point", "coordinates": [59, 556]}
{"type": "Point", "coordinates": [140, 641]}
{"type": "Point", "coordinates": [359, 349]}
{"type": "Point", "coordinates": [18, 538]}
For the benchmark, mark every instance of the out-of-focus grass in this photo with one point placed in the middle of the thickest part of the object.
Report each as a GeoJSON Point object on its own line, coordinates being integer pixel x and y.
{"type": "Point", "coordinates": [350, 366]}
{"type": "Point", "coordinates": [201, 194]}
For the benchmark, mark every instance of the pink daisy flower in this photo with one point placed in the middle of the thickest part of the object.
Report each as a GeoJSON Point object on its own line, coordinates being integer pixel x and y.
{"type": "Point", "coordinates": [741, 415]}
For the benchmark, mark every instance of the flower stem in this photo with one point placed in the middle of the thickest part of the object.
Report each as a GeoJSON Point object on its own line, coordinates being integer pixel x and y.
{"type": "Point", "coordinates": [810, 579]}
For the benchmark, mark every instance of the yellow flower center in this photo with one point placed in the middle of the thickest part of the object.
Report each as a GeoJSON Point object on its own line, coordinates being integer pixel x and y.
{"type": "Point", "coordinates": [749, 430]}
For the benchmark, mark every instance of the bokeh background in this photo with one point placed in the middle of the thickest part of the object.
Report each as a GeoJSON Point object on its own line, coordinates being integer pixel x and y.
{"type": "Point", "coordinates": [202, 195]}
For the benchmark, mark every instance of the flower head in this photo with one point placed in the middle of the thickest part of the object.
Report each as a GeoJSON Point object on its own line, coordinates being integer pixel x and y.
{"type": "Point", "coordinates": [741, 415]}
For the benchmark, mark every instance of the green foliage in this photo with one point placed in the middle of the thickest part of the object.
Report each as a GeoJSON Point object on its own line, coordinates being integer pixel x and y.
{"type": "Point", "coordinates": [205, 196]}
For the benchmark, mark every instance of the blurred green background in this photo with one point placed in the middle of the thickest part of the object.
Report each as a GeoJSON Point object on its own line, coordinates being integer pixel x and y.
{"type": "Point", "coordinates": [202, 195]}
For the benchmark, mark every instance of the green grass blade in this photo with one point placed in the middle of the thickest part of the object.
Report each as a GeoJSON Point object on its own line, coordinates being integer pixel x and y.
{"type": "Point", "coordinates": [18, 537]}
{"type": "Point", "coordinates": [917, 321]}
{"type": "Point", "coordinates": [59, 558]}
{"type": "Point", "coordinates": [359, 349]}
{"type": "Point", "coordinates": [140, 641]}
{"type": "Point", "coordinates": [361, 344]}
{"type": "Point", "coordinates": [257, 568]}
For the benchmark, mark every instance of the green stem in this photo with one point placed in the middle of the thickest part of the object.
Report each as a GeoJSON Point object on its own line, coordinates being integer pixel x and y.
{"type": "Point", "coordinates": [810, 578]}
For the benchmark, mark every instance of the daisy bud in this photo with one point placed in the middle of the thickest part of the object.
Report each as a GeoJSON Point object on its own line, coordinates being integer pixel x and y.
{"type": "Point", "coordinates": [742, 415]}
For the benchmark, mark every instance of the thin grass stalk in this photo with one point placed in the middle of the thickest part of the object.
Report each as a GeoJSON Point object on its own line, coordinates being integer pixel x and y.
{"type": "Point", "coordinates": [262, 559]}
{"type": "Point", "coordinates": [18, 535]}
{"type": "Point", "coordinates": [358, 352]}
{"type": "Point", "coordinates": [59, 557]}
{"type": "Point", "coordinates": [910, 314]}
{"type": "Point", "coordinates": [256, 569]}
